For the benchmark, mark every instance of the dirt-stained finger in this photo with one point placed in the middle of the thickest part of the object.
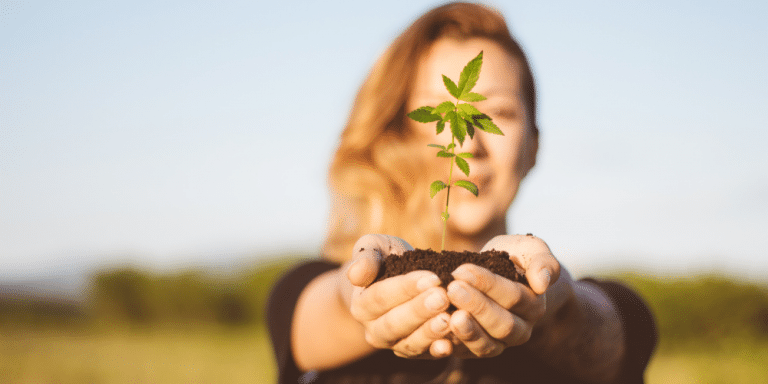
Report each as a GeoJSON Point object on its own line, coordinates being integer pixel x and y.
{"type": "Point", "coordinates": [508, 294]}
{"type": "Point", "coordinates": [404, 319]}
{"type": "Point", "coordinates": [419, 344]}
{"type": "Point", "coordinates": [380, 298]}
{"type": "Point", "coordinates": [473, 337]}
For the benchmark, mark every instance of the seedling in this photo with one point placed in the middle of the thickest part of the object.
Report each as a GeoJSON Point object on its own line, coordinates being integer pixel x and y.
{"type": "Point", "coordinates": [464, 118]}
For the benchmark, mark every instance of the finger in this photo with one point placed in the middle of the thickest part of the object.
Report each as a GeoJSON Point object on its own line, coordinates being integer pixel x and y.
{"type": "Point", "coordinates": [386, 244]}
{"type": "Point", "coordinates": [494, 319]}
{"type": "Point", "coordinates": [472, 336]}
{"type": "Point", "coordinates": [365, 267]}
{"type": "Point", "coordinates": [532, 254]}
{"type": "Point", "coordinates": [368, 253]}
{"type": "Point", "coordinates": [508, 294]}
{"type": "Point", "coordinates": [378, 299]}
{"type": "Point", "coordinates": [404, 319]}
{"type": "Point", "coordinates": [421, 343]}
{"type": "Point", "coordinates": [441, 348]}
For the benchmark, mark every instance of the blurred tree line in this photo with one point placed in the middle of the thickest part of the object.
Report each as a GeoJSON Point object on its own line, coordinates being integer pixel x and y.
{"type": "Point", "coordinates": [700, 309]}
{"type": "Point", "coordinates": [188, 297]}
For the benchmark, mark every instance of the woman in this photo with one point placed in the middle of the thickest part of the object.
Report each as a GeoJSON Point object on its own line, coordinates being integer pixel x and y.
{"type": "Point", "coordinates": [330, 324]}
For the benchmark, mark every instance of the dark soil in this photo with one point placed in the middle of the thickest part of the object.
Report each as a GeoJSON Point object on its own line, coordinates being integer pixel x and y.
{"type": "Point", "coordinates": [445, 262]}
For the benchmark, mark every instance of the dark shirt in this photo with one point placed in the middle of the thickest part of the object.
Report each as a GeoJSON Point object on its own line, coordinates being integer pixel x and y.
{"type": "Point", "coordinates": [514, 365]}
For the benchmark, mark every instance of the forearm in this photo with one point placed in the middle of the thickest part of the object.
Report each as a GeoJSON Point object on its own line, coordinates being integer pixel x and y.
{"type": "Point", "coordinates": [584, 335]}
{"type": "Point", "coordinates": [324, 335]}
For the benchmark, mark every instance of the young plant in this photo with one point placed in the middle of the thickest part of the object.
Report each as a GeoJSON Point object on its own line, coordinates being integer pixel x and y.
{"type": "Point", "coordinates": [463, 118]}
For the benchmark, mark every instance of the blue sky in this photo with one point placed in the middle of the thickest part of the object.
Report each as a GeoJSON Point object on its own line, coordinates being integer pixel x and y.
{"type": "Point", "coordinates": [181, 134]}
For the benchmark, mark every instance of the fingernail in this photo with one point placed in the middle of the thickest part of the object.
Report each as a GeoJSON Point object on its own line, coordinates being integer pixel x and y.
{"type": "Point", "coordinates": [545, 277]}
{"type": "Point", "coordinates": [464, 326]}
{"type": "Point", "coordinates": [427, 282]}
{"type": "Point", "coordinates": [435, 301]}
{"type": "Point", "coordinates": [441, 349]}
{"type": "Point", "coordinates": [458, 293]}
{"type": "Point", "coordinates": [462, 273]}
{"type": "Point", "coordinates": [439, 325]}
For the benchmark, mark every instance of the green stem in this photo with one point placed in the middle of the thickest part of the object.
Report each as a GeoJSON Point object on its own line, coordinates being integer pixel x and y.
{"type": "Point", "coordinates": [447, 199]}
{"type": "Point", "coordinates": [450, 182]}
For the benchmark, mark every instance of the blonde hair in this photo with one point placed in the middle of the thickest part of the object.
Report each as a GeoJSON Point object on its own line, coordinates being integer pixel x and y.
{"type": "Point", "coordinates": [374, 173]}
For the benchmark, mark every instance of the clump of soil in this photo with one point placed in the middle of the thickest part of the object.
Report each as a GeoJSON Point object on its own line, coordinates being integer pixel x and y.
{"type": "Point", "coordinates": [445, 262]}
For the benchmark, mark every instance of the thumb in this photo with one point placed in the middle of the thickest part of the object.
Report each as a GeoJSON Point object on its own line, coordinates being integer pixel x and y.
{"type": "Point", "coordinates": [364, 269]}
{"type": "Point", "coordinates": [368, 253]}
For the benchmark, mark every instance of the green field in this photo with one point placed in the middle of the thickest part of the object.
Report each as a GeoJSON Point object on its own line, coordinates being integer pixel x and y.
{"type": "Point", "coordinates": [220, 355]}
{"type": "Point", "coordinates": [713, 329]}
{"type": "Point", "coordinates": [170, 356]}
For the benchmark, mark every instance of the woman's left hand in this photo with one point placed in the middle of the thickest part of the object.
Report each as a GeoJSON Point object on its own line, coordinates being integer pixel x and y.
{"type": "Point", "coordinates": [493, 312]}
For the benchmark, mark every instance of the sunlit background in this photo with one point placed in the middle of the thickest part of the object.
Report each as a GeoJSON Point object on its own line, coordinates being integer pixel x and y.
{"type": "Point", "coordinates": [177, 135]}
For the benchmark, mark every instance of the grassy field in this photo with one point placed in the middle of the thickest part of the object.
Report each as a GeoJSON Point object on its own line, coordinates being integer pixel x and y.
{"type": "Point", "coordinates": [153, 356]}
{"type": "Point", "coordinates": [211, 355]}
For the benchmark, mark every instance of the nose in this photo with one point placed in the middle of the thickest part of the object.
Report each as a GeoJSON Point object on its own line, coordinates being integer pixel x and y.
{"type": "Point", "coordinates": [475, 145]}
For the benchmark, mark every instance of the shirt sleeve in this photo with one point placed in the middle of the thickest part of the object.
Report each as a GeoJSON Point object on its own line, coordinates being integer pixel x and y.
{"type": "Point", "coordinates": [640, 334]}
{"type": "Point", "coordinates": [280, 308]}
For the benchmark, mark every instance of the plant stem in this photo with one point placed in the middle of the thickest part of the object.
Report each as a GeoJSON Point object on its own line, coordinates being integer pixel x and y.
{"type": "Point", "coordinates": [450, 181]}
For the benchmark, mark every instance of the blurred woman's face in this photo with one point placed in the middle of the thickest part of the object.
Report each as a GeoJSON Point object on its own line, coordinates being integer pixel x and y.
{"type": "Point", "coordinates": [500, 162]}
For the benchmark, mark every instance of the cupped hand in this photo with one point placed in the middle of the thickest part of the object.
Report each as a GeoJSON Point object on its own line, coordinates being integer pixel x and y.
{"type": "Point", "coordinates": [405, 313]}
{"type": "Point", "coordinates": [493, 312]}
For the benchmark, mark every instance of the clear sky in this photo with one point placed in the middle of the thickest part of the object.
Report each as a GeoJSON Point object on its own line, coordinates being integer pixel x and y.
{"type": "Point", "coordinates": [188, 133]}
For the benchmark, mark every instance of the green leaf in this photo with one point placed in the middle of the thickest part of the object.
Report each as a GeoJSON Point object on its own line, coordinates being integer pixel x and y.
{"type": "Point", "coordinates": [465, 155]}
{"type": "Point", "coordinates": [440, 126]}
{"type": "Point", "coordinates": [470, 129]}
{"type": "Point", "coordinates": [469, 109]}
{"type": "Point", "coordinates": [470, 74]}
{"type": "Point", "coordinates": [450, 146]}
{"type": "Point", "coordinates": [444, 107]}
{"type": "Point", "coordinates": [436, 146]}
{"type": "Point", "coordinates": [445, 154]}
{"type": "Point", "coordinates": [424, 115]}
{"type": "Point", "coordinates": [471, 97]}
{"type": "Point", "coordinates": [436, 187]}
{"type": "Point", "coordinates": [451, 86]}
{"type": "Point", "coordinates": [468, 185]}
{"type": "Point", "coordinates": [448, 117]}
{"type": "Point", "coordinates": [488, 126]}
{"type": "Point", "coordinates": [458, 128]}
{"type": "Point", "coordinates": [463, 165]}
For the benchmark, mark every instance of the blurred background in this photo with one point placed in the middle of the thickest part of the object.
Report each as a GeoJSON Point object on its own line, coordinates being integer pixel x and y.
{"type": "Point", "coordinates": [162, 164]}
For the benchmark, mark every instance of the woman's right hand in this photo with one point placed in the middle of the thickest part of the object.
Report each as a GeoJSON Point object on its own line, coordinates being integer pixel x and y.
{"type": "Point", "coordinates": [404, 313]}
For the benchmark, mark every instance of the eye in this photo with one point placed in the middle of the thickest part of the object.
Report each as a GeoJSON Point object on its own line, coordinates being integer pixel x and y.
{"type": "Point", "coordinates": [503, 113]}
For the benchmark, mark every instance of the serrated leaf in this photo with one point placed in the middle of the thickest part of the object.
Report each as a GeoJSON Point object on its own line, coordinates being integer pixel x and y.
{"type": "Point", "coordinates": [468, 185]}
{"type": "Point", "coordinates": [488, 126]}
{"type": "Point", "coordinates": [471, 97]}
{"type": "Point", "coordinates": [470, 74]}
{"type": "Point", "coordinates": [451, 86]}
{"type": "Point", "coordinates": [463, 165]}
{"type": "Point", "coordinates": [444, 107]}
{"type": "Point", "coordinates": [436, 187]}
{"type": "Point", "coordinates": [458, 128]}
{"type": "Point", "coordinates": [445, 154]}
{"type": "Point", "coordinates": [440, 126]}
{"type": "Point", "coordinates": [448, 117]}
{"type": "Point", "coordinates": [469, 109]}
{"type": "Point", "coordinates": [466, 155]}
{"type": "Point", "coordinates": [437, 146]}
{"type": "Point", "coordinates": [424, 115]}
{"type": "Point", "coordinates": [470, 129]}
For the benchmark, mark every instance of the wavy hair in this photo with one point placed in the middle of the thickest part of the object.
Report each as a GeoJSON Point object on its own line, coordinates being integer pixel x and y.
{"type": "Point", "coordinates": [374, 173]}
